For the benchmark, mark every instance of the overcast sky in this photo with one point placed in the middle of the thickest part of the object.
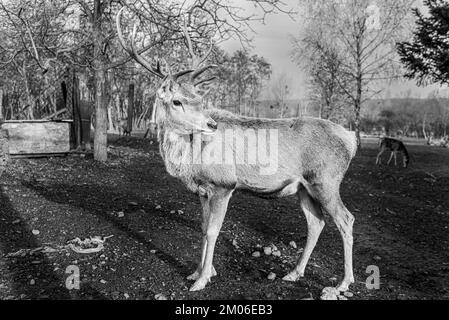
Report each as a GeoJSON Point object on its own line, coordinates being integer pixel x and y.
{"type": "Point", "coordinates": [272, 41]}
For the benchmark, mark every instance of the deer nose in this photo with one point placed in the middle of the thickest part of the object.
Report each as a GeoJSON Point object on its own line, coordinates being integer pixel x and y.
{"type": "Point", "coordinates": [212, 124]}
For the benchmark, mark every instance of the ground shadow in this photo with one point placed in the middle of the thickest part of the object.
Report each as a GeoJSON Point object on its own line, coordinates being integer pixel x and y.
{"type": "Point", "coordinates": [103, 200]}
{"type": "Point", "coordinates": [31, 276]}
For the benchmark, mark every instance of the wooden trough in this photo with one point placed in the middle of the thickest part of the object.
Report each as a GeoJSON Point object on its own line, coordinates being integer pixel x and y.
{"type": "Point", "coordinates": [38, 138]}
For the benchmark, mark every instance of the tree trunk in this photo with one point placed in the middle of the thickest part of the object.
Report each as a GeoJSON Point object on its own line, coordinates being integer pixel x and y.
{"type": "Point", "coordinates": [1, 105]}
{"type": "Point", "coordinates": [130, 107]}
{"type": "Point", "coordinates": [428, 138]}
{"type": "Point", "coordinates": [4, 150]}
{"type": "Point", "coordinates": [357, 123]}
{"type": "Point", "coordinates": [101, 118]}
{"type": "Point", "coordinates": [357, 106]}
{"type": "Point", "coordinates": [28, 94]}
{"type": "Point", "coordinates": [11, 106]}
{"type": "Point", "coordinates": [76, 113]}
{"type": "Point", "coordinates": [101, 114]}
{"type": "Point", "coordinates": [110, 122]}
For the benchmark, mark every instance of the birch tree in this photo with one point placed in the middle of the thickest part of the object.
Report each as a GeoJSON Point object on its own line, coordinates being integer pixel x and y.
{"type": "Point", "coordinates": [365, 35]}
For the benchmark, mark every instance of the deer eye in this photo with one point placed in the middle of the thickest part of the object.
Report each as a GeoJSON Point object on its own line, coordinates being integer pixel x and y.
{"type": "Point", "coordinates": [177, 103]}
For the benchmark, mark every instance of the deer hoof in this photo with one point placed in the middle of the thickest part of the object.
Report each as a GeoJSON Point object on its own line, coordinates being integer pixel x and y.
{"type": "Point", "coordinates": [293, 276]}
{"type": "Point", "coordinates": [199, 284]}
{"type": "Point", "coordinates": [344, 286]}
{"type": "Point", "coordinates": [196, 275]}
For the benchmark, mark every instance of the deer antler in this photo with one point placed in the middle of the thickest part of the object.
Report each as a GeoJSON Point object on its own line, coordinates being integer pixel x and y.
{"type": "Point", "coordinates": [197, 61]}
{"type": "Point", "coordinates": [132, 51]}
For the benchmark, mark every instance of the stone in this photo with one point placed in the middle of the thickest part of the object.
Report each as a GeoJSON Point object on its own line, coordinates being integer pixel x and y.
{"type": "Point", "coordinates": [160, 296]}
{"type": "Point", "coordinates": [329, 293]}
{"type": "Point", "coordinates": [276, 253]}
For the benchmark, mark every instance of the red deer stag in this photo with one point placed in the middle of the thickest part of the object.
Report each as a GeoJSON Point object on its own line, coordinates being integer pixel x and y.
{"type": "Point", "coordinates": [308, 158]}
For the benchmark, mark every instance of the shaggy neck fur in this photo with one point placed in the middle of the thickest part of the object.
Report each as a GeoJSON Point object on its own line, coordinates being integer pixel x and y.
{"type": "Point", "coordinates": [175, 149]}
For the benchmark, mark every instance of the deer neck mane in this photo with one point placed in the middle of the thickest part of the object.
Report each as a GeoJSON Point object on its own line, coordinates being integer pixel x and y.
{"type": "Point", "coordinates": [175, 150]}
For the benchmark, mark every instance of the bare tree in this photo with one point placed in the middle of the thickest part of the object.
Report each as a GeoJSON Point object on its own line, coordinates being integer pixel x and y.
{"type": "Point", "coordinates": [364, 34]}
{"type": "Point", "coordinates": [280, 91]}
{"type": "Point", "coordinates": [50, 36]}
{"type": "Point", "coordinates": [324, 68]}
{"type": "Point", "coordinates": [242, 78]}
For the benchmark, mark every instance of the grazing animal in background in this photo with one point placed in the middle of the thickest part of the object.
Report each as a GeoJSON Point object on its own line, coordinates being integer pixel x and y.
{"type": "Point", "coordinates": [394, 146]}
{"type": "Point", "coordinates": [311, 157]}
{"type": "Point", "coordinates": [123, 128]}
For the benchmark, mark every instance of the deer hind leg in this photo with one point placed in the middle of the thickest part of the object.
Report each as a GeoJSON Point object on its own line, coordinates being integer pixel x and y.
{"type": "Point", "coordinates": [395, 159]}
{"type": "Point", "coordinates": [391, 157]}
{"type": "Point", "coordinates": [218, 204]}
{"type": "Point", "coordinates": [205, 219]}
{"type": "Point", "coordinates": [344, 220]}
{"type": "Point", "coordinates": [315, 224]}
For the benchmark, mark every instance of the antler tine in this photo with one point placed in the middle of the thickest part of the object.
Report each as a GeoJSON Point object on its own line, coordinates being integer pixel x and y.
{"type": "Point", "coordinates": [133, 52]}
{"type": "Point", "coordinates": [209, 51]}
{"type": "Point", "coordinates": [197, 61]}
{"type": "Point", "coordinates": [204, 81]}
{"type": "Point", "coordinates": [200, 71]}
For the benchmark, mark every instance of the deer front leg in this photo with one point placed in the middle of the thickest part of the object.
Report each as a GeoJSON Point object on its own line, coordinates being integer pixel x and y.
{"type": "Point", "coordinates": [378, 158]}
{"type": "Point", "coordinates": [205, 218]}
{"type": "Point", "coordinates": [218, 204]}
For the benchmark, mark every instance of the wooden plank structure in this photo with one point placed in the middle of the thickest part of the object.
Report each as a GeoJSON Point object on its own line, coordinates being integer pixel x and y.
{"type": "Point", "coordinates": [38, 138]}
{"type": "Point", "coordinates": [50, 137]}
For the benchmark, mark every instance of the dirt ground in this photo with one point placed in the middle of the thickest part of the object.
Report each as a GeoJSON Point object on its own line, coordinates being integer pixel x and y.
{"type": "Point", "coordinates": [402, 226]}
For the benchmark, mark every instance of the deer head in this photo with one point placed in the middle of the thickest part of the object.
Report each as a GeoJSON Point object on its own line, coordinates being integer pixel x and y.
{"type": "Point", "coordinates": [178, 105]}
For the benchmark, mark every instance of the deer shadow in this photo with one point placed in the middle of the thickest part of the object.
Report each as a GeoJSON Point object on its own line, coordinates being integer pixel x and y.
{"type": "Point", "coordinates": [103, 200]}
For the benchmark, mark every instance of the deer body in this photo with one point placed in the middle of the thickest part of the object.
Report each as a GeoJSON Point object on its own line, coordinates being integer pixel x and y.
{"type": "Point", "coordinates": [123, 128]}
{"type": "Point", "coordinates": [308, 158]}
{"type": "Point", "coordinates": [313, 156]}
{"type": "Point", "coordinates": [309, 149]}
{"type": "Point", "coordinates": [394, 146]}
